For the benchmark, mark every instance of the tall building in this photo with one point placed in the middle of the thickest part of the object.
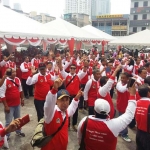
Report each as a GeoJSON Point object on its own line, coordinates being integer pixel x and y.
{"type": "Point", "coordinates": [77, 19]}
{"type": "Point", "coordinates": [78, 6]}
{"type": "Point", "coordinates": [100, 7]}
{"type": "Point", "coordinates": [139, 15]}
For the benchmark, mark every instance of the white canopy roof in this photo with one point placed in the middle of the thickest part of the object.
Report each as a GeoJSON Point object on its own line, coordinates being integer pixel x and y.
{"type": "Point", "coordinates": [98, 33]}
{"type": "Point", "coordinates": [140, 38]}
{"type": "Point", "coordinates": [18, 25]}
{"type": "Point", "coordinates": [70, 30]}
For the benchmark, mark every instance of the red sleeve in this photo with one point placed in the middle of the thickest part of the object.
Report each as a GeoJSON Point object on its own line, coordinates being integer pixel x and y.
{"type": "Point", "coordinates": [2, 131]}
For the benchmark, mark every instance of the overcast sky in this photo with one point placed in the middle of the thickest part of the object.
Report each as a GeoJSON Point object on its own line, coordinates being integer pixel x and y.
{"type": "Point", "coordinates": [56, 7]}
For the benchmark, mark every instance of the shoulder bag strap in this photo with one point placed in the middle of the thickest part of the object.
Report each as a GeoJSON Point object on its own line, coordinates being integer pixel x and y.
{"type": "Point", "coordinates": [70, 81]}
{"type": "Point", "coordinates": [82, 144]}
{"type": "Point", "coordinates": [14, 83]}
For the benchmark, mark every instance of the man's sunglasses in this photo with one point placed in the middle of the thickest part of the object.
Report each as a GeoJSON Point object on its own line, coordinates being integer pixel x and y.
{"type": "Point", "coordinates": [72, 68]}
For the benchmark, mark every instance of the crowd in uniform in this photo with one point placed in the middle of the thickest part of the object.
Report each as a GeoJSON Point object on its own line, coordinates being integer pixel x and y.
{"type": "Point", "coordinates": [61, 84]}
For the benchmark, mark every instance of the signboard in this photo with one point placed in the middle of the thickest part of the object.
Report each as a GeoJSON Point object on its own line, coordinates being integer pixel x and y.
{"type": "Point", "coordinates": [110, 16]}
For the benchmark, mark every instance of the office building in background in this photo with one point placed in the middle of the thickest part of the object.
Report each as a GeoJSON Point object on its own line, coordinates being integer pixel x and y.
{"type": "Point", "coordinates": [78, 6]}
{"type": "Point", "coordinates": [100, 7]}
{"type": "Point", "coordinates": [139, 15]}
{"type": "Point", "coordinates": [77, 19]}
{"type": "Point", "coordinates": [115, 25]}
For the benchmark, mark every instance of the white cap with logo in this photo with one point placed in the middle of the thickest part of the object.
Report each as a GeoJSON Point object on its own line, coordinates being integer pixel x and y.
{"type": "Point", "coordinates": [102, 105]}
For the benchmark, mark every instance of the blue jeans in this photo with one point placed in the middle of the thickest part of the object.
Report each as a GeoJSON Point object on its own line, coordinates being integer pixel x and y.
{"type": "Point", "coordinates": [124, 132]}
{"type": "Point", "coordinates": [13, 114]}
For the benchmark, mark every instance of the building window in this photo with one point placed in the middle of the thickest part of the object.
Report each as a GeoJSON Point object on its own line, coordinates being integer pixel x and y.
{"type": "Point", "coordinates": [136, 4]}
{"type": "Point", "coordinates": [95, 24]}
{"type": "Point", "coordinates": [101, 24]}
{"type": "Point", "coordinates": [108, 24]}
{"type": "Point", "coordinates": [144, 16]}
{"type": "Point", "coordinates": [145, 4]}
{"type": "Point", "coordinates": [135, 17]}
{"type": "Point", "coordinates": [134, 29]}
{"type": "Point", "coordinates": [143, 28]}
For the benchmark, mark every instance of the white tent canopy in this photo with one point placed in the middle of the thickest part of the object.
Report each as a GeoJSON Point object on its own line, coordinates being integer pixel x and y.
{"type": "Point", "coordinates": [13, 24]}
{"type": "Point", "coordinates": [98, 33]}
{"type": "Point", "coordinates": [71, 30]}
{"type": "Point", "coordinates": [140, 38]}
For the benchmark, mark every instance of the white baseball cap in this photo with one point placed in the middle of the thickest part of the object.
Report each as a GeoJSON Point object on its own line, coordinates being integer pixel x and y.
{"type": "Point", "coordinates": [102, 105]}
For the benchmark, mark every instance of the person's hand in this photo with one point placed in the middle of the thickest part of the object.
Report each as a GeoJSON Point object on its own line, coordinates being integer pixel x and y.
{"type": "Point", "coordinates": [132, 90]}
{"type": "Point", "coordinates": [118, 68]}
{"type": "Point", "coordinates": [22, 102]}
{"type": "Point", "coordinates": [33, 70]}
{"type": "Point", "coordinates": [57, 83]}
{"type": "Point", "coordinates": [79, 94]}
{"type": "Point", "coordinates": [14, 125]}
{"type": "Point", "coordinates": [7, 109]}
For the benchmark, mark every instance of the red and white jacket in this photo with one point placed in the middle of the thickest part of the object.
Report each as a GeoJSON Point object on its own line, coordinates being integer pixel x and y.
{"type": "Point", "coordinates": [102, 133]}
{"type": "Point", "coordinates": [7, 64]}
{"type": "Point", "coordinates": [10, 92]}
{"type": "Point", "coordinates": [73, 87]}
{"type": "Point", "coordinates": [25, 69]}
{"type": "Point", "coordinates": [122, 96]}
{"type": "Point", "coordinates": [53, 117]}
{"type": "Point", "coordinates": [42, 85]}
{"type": "Point", "coordinates": [128, 69]}
{"type": "Point", "coordinates": [90, 91]}
{"type": "Point", "coordinates": [141, 114]}
{"type": "Point", "coordinates": [35, 62]}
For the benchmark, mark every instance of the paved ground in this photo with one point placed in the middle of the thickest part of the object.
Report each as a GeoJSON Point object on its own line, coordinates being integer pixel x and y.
{"type": "Point", "coordinates": [19, 143]}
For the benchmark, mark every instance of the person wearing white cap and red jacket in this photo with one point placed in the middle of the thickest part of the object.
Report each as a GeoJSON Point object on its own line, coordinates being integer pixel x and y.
{"type": "Point", "coordinates": [72, 82]}
{"type": "Point", "coordinates": [102, 132]}
{"type": "Point", "coordinates": [104, 90]}
{"type": "Point", "coordinates": [58, 115]}
{"type": "Point", "coordinates": [43, 82]}
{"type": "Point", "coordinates": [142, 117]}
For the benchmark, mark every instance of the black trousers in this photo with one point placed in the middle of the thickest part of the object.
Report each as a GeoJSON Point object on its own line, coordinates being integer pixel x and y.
{"type": "Point", "coordinates": [91, 110]}
{"type": "Point", "coordinates": [75, 116]}
{"type": "Point", "coordinates": [112, 92]}
{"type": "Point", "coordinates": [142, 140]}
{"type": "Point", "coordinates": [39, 106]}
{"type": "Point", "coordinates": [27, 89]}
{"type": "Point", "coordinates": [132, 124]}
{"type": "Point", "coordinates": [82, 102]}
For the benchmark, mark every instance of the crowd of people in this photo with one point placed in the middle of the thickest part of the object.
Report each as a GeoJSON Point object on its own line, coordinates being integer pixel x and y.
{"type": "Point", "coordinates": [62, 83]}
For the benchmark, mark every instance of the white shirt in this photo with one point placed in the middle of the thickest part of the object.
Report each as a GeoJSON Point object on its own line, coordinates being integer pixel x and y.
{"type": "Point", "coordinates": [50, 107]}
{"type": "Point", "coordinates": [87, 88]}
{"type": "Point", "coordinates": [4, 87]}
{"type": "Point", "coordinates": [115, 125]}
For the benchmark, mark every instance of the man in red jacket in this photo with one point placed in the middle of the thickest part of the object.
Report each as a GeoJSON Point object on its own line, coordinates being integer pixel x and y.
{"type": "Point", "coordinates": [43, 83]}
{"type": "Point", "coordinates": [142, 117]}
{"type": "Point", "coordinates": [101, 132]}
{"type": "Point", "coordinates": [12, 97]}
{"type": "Point", "coordinates": [72, 82]}
{"type": "Point", "coordinates": [26, 72]}
{"type": "Point", "coordinates": [55, 115]}
{"type": "Point", "coordinates": [122, 101]}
